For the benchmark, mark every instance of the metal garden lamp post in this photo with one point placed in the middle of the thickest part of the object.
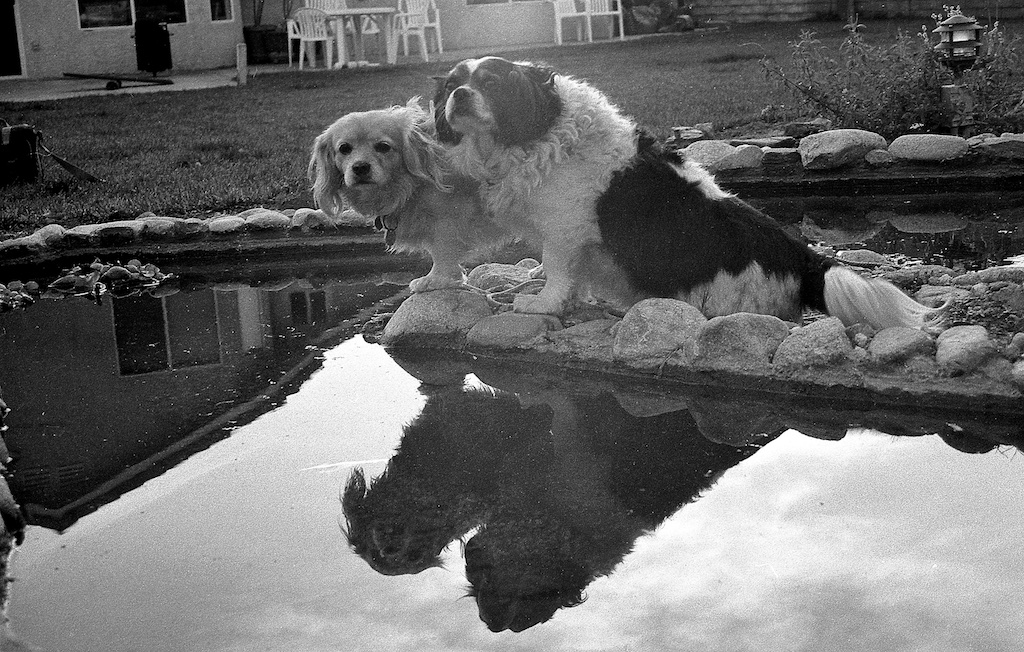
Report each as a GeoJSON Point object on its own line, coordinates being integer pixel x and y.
{"type": "Point", "coordinates": [958, 48]}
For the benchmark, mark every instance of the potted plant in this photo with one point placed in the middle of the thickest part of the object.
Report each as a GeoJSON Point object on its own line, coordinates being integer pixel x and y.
{"type": "Point", "coordinates": [266, 43]}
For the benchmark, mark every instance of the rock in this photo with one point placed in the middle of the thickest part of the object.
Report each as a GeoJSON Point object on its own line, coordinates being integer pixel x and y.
{"type": "Point", "coordinates": [591, 340]}
{"type": "Point", "coordinates": [838, 148]}
{"type": "Point", "coordinates": [1017, 374]}
{"type": "Point", "coordinates": [784, 156]}
{"type": "Point", "coordinates": [898, 343]}
{"type": "Point", "coordinates": [928, 148]}
{"type": "Point", "coordinates": [801, 129]}
{"type": "Point", "coordinates": [773, 142]}
{"type": "Point", "coordinates": [1015, 348]}
{"type": "Point", "coordinates": [308, 219]}
{"type": "Point", "coordinates": [1009, 273]}
{"type": "Point", "coordinates": [742, 158]}
{"type": "Point", "coordinates": [820, 343]}
{"type": "Point", "coordinates": [118, 233]}
{"type": "Point", "coordinates": [683, 137]}
{"type": "Point", "coordinates": [1004, 147]}
{"type": "Point", "coordinates": [878, 158]}
{"type": "Point", "coordinates": [709, 152]}
{"type": "Point", "coordinates": [862, 257]}
{"type": "Point", "coordinates": [435, 319]}
{"type": "Point", "coordinates": [927, 223]}
{"type": "Point", "coordinates": [644, 405]}
{"type": "Point", "coordinates": [509, 330]}
{"type": "Point", "coordinates": [489, 276]}
{"type": "Point", "coordinates": [934, 296]}
{"type": "Point", "coordinates": [227, 224]}
{"type": "Point", "coordinates": [962, 349]}
{"type": "Point", "coordinates": [653, 330]}
{"type": "Point", "coordinates": [734, 423]}
{"type": "Point", "coordinates": [162, 228]}
{"type": "Point", "coordinates": [51, 235]}
{"type": "Point", "coordinates": [1011, 296]}
{"type": "Point", "coordinates": [739, 343]}
{"type": "Point", "coordinates": [268, 219]}
{"type": "Point", "coordinates": [193, 227]}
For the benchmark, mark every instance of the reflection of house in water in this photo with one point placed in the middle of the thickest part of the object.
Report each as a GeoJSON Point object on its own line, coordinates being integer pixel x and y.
{"type": "Point", "coordinates": [108, 396]}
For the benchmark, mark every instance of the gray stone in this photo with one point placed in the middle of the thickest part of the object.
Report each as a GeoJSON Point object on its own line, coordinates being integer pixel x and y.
{"type": "Point", "coordinates": [936, 295]}
{"type": "Point", "coordinates": [1003, 147]}
{"type": "Point", "coordinates": [194, 227]}
{"type": "Point", "coordinates": [743, 157]}
{"type": "Point", "coordinates": [838, 148]}
{"type": "Point", "coordinates": [773, 142]}
{"type": "Point", "coordinates": [780, 156]}
{"type": "Point", "coordinates": [268, 219]}
{"type": "Point", "coordinates": [162, 228]}
{"type": "Point", "coordinates": [962, 349]}
{"type": "Point", "coordinates": [739, 343]}
{"type": "Point", "coordinates": [862, 257]}
{"type": "Point", "coordinates": [51, 235]}
{"type": "Point", "coordinates": [927, 222]}
{"type": "Point", "coordinates": [308, 219]}
{"type": "Point", "coordinates": [709, 152]}
{"type": "Point", "coordinates": [820, 343]}
{"type": "Point", "coordinates": [489, 276]}
{"type": "Point", "coordinates": [591, 339]}
{"type": "Point", "coordinates": [509, 330]}
{"type": "Point", "coordinates": [227, 224]}
{"type": "Point", "coordinates": [435, 319]}
{"type": "Point", "coordinates": [803, 128]}
{"type": "Point", "coordinates": [928, 148]}
{"type": "Point", "coordinates": [879, 158]}
{"type": "Point", "coordinates": [1017, 374]}
{"type": "Point", "coordinates": [898, 343]}
{"type": "Point", "coordinates": [654, 330]}
{"type": "Point", "coordinates": [1009, 273]}
{"type": "Point", "coordinates": [119, 232]}
{"type": "Point", "coordinates": [685, 136]}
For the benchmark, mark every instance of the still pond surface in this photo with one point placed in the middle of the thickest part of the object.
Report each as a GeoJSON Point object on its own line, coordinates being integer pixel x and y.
{"type": "Point", "coordinates": [192, 468]}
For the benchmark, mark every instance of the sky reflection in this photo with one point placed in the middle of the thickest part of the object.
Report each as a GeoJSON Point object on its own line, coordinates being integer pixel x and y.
{"type": "Point", "coordinates": [869, 543]}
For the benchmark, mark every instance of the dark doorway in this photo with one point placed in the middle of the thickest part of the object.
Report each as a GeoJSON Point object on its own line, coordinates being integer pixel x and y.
{"type": "Point", "coordinates": [10, 52]}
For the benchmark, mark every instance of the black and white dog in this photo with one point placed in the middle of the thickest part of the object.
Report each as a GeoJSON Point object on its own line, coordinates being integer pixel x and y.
{"type": "Point", "coordinates": [616, 215]}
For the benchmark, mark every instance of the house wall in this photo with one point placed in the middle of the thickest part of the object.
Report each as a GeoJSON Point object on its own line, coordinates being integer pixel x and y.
{"type": "Point", "coordinates": [752, 11]}
{"type": "Point", "coordinates": [53, 42]}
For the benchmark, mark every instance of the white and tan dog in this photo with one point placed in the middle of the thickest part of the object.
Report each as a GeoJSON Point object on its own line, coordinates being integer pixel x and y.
{"type": "Point", "coordinates": [561, 165]}
{"type": "Point", "coordinates": [387, 165]}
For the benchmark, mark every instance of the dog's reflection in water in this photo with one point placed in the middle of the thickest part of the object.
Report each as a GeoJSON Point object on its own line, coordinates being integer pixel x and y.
{"type": "Point", "coordinates": [559, 488]}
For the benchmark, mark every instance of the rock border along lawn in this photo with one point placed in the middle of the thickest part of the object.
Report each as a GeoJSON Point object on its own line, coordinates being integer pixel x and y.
{"type": "Point", "coordinates": [664, 338]}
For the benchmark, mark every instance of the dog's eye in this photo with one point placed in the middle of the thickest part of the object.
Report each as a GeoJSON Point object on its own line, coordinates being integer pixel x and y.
{"type": "Point", "coordinates": [382, 147]}
{"type": "Point", "coordinates": [345, 149]}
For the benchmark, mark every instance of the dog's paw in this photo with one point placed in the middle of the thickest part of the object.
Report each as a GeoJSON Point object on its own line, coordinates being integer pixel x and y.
{"type": "Point", "coordinates": [537, 304]}
{"type": "Point", "coordinates": [428, 283]}
{"type": "Point", "coordinates": [538, 271]}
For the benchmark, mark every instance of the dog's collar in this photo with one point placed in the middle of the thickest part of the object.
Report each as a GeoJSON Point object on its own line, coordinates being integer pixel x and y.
{"type": "Point", "coordinates": [381, 224]}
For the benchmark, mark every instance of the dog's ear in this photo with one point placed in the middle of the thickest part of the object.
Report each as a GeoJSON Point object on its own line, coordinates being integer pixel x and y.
{"type": "Point", "coordinates": [352, 498]}
{"type": "Point", "coordinates": [444, 130]}
{"type": "Point", "coordinates": [422, 154]}
{"type": "Point", "coordinates": [326, 177]}
{"type": "Point", "coordinates": [531, 107]}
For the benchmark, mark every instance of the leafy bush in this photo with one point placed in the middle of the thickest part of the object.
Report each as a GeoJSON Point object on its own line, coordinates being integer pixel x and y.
{"type": "Point", "coordinates": [895, 89]}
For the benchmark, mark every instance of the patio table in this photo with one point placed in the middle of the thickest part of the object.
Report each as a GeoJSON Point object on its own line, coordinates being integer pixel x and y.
{"type": "Point", "coordinates": [383, 17]}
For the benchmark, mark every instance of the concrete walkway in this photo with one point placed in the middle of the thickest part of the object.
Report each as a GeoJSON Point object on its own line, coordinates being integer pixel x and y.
{"type": "Point", "coordinates": [27, 90]}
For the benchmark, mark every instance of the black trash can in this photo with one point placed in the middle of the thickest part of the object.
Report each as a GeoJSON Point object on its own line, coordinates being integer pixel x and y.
{"type": "Point", "coordinates": [152, 46]}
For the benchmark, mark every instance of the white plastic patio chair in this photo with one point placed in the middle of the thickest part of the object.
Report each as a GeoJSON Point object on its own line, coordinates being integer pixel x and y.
{"type": "Point", "coordinates": [414, 18]}
{"type": "Point", "coordinates": [571, 9]}
{"type": "Point", "coordinates": [367, 25]}
{"type": "Point", "coordinates": [613, 8]}
{"type": "Point", "coordinates": [311, 26]}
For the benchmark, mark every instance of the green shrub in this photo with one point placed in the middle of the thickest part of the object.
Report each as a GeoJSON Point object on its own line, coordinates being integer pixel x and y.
{"type": "Point", "coordinates": [894, 89]}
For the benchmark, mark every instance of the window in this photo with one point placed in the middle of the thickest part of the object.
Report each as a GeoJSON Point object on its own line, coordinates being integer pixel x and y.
{"type": "Point", "coordinates": [104, 13]}
{"type": "Point", "coordinates": [116, 13]}
{"type": "Point", "coordinates": [220, 9]}
{"type": "Point", "coordinates": [162, 334]}
{"type": "Point", "coordinates": [163, 11]}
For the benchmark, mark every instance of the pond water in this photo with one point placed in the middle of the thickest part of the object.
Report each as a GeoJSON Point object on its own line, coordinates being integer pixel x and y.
{"type": "Point", "coordinates": [192, 467]}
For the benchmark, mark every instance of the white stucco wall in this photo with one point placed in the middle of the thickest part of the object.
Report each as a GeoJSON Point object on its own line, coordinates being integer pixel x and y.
{"type": "Point", "coordinates": [53, 42]}
{"type": "Point", "coordinates": [495, 25]}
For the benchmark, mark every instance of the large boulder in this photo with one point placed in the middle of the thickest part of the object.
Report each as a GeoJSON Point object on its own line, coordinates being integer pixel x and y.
{"type": "Point", "coordinates": [838, 148]}
{"type": "Point", "coordinates": [739, 343]}
{"type": "Point", "coordinates": [899, 343]}
{"type": "Point", "coordinates": [928, 148]}
{"type": "Point", "coordinates": [655, 330]}
{"type": "Point", "coordinates": [510, 330]}
{"type": "Point", "coordinates": [962, 349]}
{"type": "Point", "coordinates": [438, 319]}
{"type": "Point", "coordinates": [821, 343]}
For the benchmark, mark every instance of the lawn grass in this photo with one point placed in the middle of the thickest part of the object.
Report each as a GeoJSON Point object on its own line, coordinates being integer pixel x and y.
{"type": "Point", "coordinates": [223, 150]}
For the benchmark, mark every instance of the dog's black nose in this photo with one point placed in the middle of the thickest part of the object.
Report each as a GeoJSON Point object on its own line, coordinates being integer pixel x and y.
{"type": "Point", "coordinates": [362, 169]}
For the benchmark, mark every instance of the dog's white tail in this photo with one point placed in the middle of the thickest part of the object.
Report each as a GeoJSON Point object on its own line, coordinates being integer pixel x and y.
{"type": "Point", "coordinates": [855, 299]}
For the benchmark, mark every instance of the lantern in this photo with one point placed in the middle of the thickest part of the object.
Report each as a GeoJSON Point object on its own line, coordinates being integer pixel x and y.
{"type": "Point", "coordinates": [959, 42]}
